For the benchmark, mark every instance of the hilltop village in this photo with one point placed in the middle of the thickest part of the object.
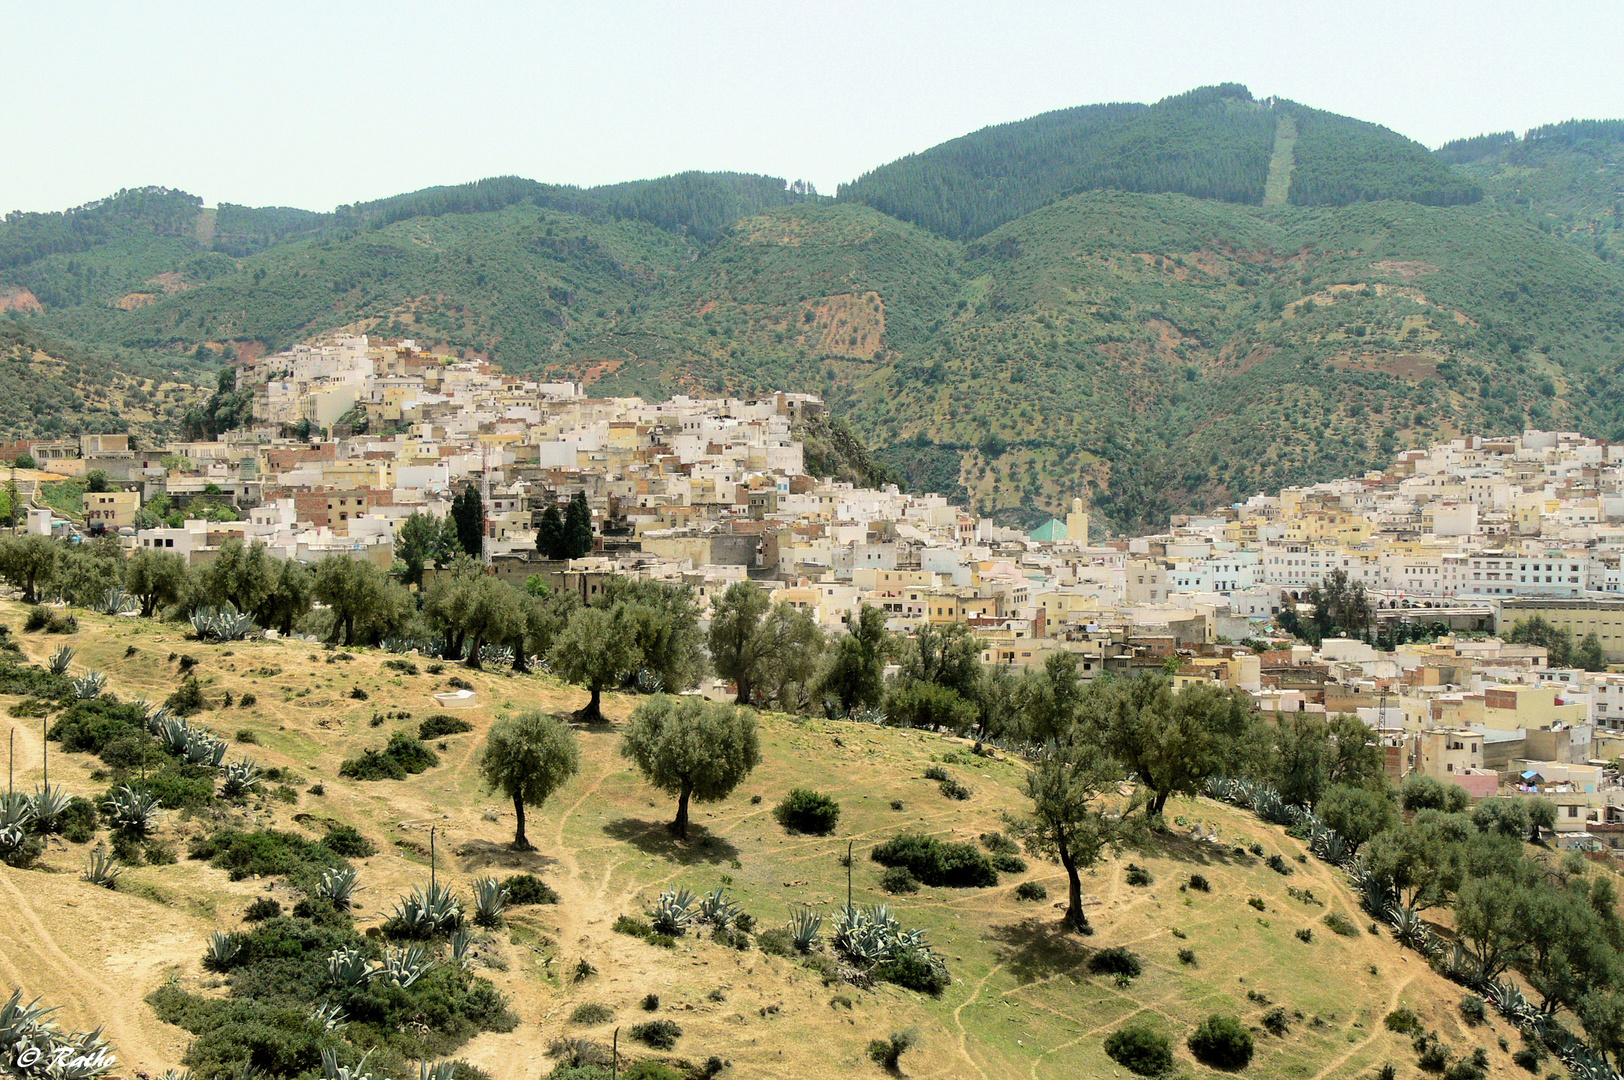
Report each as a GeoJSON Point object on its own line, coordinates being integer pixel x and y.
{"type": "Point", "coordinates": [1465, 602]}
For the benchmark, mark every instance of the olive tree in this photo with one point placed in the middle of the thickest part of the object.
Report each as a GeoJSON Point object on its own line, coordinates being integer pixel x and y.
{"type": "Point", "coordinates": [528, 757]}
{"type": "Point", "coordinates": [692, 748]}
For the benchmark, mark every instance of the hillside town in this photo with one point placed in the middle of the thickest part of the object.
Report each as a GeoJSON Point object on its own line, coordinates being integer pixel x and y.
{"type": "Point", "coordinates": [1443, 554]}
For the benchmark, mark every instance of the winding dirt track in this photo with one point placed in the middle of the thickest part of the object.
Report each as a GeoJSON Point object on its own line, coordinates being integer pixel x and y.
{"type": "Point", "coordinates": [40, 913]}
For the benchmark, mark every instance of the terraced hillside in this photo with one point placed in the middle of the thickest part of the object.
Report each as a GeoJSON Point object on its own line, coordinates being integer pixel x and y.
{"type": "Point", "coordinates": [1023, 1001]}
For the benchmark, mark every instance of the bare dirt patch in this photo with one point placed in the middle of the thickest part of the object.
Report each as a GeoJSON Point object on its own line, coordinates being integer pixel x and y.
{"type": "Point", "coordinates": [20, 299]}
{"type": "Point", "coordinates": [1404, 268]}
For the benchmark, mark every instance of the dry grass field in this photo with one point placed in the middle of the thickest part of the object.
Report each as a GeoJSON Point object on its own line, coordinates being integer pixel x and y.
{"type": "Point", "coordinates": [1022, 1002]}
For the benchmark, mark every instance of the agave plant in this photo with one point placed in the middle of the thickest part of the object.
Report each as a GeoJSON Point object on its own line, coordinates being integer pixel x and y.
{"type": "Point", "coordinates": [648, 681]}
{"type": "Point", "coordinates": [804, 926]}
{"type": "Point", "coordinates": [59, 661]}
{"type": "Point", "coordinates": [406, 965]}
{"type": "Point", "coordinates": [337, 886]}
{"type": "Point", "coordinates": [348, 967]}
{"type": "Point", "coordinates": [1408, 928]}
{"type": "Point", "coordinates": [462, 943]}
{"type": "Point", "coordinates": [49, 803]}
{"type": "Point", "coordinates": [132, 811]}
{"type": "Point", "coordinates": [241, 778]}
{"type": "Point", "coordinates": [332, 1070]}
{"type": "Point", "coordinates": [153, 719]}
{"type": "Point", "coordinates": [327, 1016]}
{"type": "Point", "coordinates": [440, 1070]}
{"type": "Point", "coordinates": [16, 811]}
{"type": "Point", "coordinates": [425, 912]}
{"type": "Point", "coordinates": [395, 645]}
{"type": "Point", "coordinates": [101, 869]}
{"type": "Point", "coordinates": [89, 686]}
{"type": "Point", "coordinates": [496, 655]}
{"type": "Point", "coordinates": [222, 950]}
{"type": "Point", "coordinates": [26, 1034]}
{"type": "Point", "coordinates": [116, 601]}
{"type": "Point", "coordinates": [717, 910]}
{"type": "Point", "coordinates": [223, 624]}
{"type": "Point", "coordinates": [867, 935]}
{"type": "Point", "coordinates": [490, 901]}
{"type": "Point", "coordinates": [175, 1074]}
{"type": "Point", "coordinates": [672, 912]}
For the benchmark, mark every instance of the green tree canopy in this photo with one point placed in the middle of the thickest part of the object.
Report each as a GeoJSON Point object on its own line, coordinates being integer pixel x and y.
{"type": "Point", "coordinates": [854, 675]}
{"type": "Point", "coordinates": [692, 748]}
{"type": "Point", "coordinates": [155, 578]}
{"type": "Point", "coordinates": [595, 650]}
{"type": "Point", "coordinates": [528, 757]}
{"type": "Point", "coordinates": [1172, 742]}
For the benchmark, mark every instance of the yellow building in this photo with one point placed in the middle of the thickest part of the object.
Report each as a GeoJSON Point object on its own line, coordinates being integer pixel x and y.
{"type": "Point", "coordinates": [1580, 618]}
{"type": "Point", "coordinates": [111, 509]}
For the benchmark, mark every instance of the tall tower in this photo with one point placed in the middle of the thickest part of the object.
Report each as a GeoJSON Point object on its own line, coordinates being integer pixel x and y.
{"type": "Point", "coordinates": [1077, 522]}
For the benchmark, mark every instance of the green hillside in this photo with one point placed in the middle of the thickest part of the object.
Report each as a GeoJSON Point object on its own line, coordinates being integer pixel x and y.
{"type": "Point", "coordinates": [1568, 177]}
{"type": "Point", "coordinates": [1159, 306]}
{"type": "Point", "coordinates": [1213, 143]}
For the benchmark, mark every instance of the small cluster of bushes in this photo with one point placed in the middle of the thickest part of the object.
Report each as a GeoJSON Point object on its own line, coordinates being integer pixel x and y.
{"type": "Point", "coordinates": [1137, 875]}
{"type": "Point", "coordinates": [632, 926]}
{"type": "Point", "coordinates": [1221, 1042]}
{"type": "Point", "coordinates": [1140, 1049]}
{"type": "Point", "coordinates": [266, 853]}
{"type": "Point", "coordinates": [807, 811]}
{"type": "Point", "coordinates": [405, 667]}
{"type": "Point", "coordinates": [524, 889]}
{"type": "Point", "coordinates": [1031, 891]}
{"type": "Point", "coordinates": [937, 863]}
{"type": "Point", "coordinates": [50, 620]}
{"type": "Point", "coordinates": [440, 725]}
{"type": "Point", "coordinates": [403, 756]}
{"type": "Point", "coordinates": [1115, 961]}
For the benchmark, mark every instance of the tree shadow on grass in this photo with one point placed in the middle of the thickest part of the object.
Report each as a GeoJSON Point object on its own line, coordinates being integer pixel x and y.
{"type": "Point", "coordinates": [475, 855]}
{"type": "Point", "coordinates": [1035, 949]}
{"type": "Point", "coordinates": [656, 838]}
{"type": "Point", "coordinates": [1200, 852]}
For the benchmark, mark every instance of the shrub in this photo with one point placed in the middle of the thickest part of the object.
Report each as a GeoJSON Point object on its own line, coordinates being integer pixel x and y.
{"type": "Point", "coordinates": [896, 804]}
{"type": "Point", "coordinates": [999, 844]}
{"type": "Point", "coordinates": [1340, 925]}
{"type": "Point", "coordinates": [898, 879]}
{"type": "Point", "coordinates": [807, 811]}
{"type": "Point", "coordinates": [402, 756]}
{"type": "Point", "coordinates": [1115, 961]}
{"type": "Point", "coordinates": [887, 1053]}
{"type": "Point", "coordinates": [1138, 875]}
{"type": "Point", "coordinates": [626, 924]}
{"type": "Point", "coordinates": [265, 853]}
{"type": "Point", "coordinates": [440, 725]}
{"type": "Point", "coordinates": [458, 683]}
{"type": "Point", "coordinates": [1221, 1042]}
{"type": "Point", "coordinates": [650, 1002]}
{"type": "Point", "coordinates": [529, 889]}
{"type": "Point", "coordinates": [776, 942]}
{"type": "Point", "coordinates": [1031, 890]}
{"type": "Point", "coordinates": [915, 968]}
{"type": "Point", "coordinates": [952, 789]}
{"type": "Point", "coordinates": [1276, 1022]}
{"type": "Point", "coordinates": [405, 667]}
{"type": "Point", "coordinates": [38, 619]}
{"type": "Point", "coordinates": [262, 908]}
{"type": "Point", "coordinates": [77, 822]}
{"type": "Point", "coordinates": [246, 735]}
{"type": "Point", "coordinates": [937, 863]}
{"type": "Point", "coordinates": [1404, 1022]}
{"type": "Point", "coordinates": [1008, 864]}
{"type": "Point", "coordinates": [358, 694]}
{"type": "Point", "coordinates": [187, 700]}
{"type": "Point", "coordinates": [1277, 864]}
{"type": "Point", "coordinates": [936, 772]}
{"type": "Point", "coordinates": [1187, 956]}
{"type": "Point", "coordinates": [1257, 902]}
{"type": "Point", "coordinates": [248, 700]}
{"type": "Point", "coordinates": [1471, 1009]}
{"type": "Point", "coordinates": [1305, 935]}
{"type": "Point", "coordinates": [1529, 1058]}
{"type": "Point", "coordinates": [344, 840]}
{"type": "Point", "coordinates": [1199, 883]}
{"type": "Point", "coordinates": [1141, 1050]}
{"type": "Point", "coordinates": [592, 1013]}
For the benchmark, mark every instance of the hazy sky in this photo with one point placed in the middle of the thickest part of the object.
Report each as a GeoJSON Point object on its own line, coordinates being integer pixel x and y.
{"type": "Point", "coordinates": [316, 104]}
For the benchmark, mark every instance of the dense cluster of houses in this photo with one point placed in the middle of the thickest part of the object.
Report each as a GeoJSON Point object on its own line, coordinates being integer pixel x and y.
{"type": "Point", "coordinates": [1467, 537]}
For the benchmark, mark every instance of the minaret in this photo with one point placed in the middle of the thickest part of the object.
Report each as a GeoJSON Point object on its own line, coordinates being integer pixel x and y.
{"type": "Point", "coordinates": [1077, 523]}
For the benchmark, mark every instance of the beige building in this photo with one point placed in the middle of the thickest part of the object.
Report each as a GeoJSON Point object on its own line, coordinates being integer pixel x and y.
{"type": "Point", "coordinates": [111, 509]}
{"type": "Point", "coordinates": [1580, 618]}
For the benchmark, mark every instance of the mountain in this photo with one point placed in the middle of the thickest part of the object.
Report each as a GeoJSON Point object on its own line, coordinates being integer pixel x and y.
{"type": "Point", "coordinates": [1216, 143]}
{"type": "Point", "coordinates": [1568, 177]}
{"type": "Point", "coordinates": [1157, 306]}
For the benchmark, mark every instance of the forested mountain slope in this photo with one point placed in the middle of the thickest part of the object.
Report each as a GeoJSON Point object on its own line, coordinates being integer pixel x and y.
{"type": "Point", "coordinates": [1158, 306]}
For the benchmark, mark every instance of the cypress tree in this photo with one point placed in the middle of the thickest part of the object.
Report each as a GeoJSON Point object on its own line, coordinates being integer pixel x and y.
{"type": "Point", "coordinates": [550, 536]}
{"type": "Point", "coordinates": [468, 511]}
{"type": "Point", "coordinates": [577, 527]}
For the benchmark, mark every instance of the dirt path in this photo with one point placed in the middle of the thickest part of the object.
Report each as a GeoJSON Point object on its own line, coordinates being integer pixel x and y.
{"type": "Point", "coordinates": [96, 988]}
{"type": "Point", "coordinates": [1278, 186]}
{"type": "Point", "coordinates": [1392, 1003]}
